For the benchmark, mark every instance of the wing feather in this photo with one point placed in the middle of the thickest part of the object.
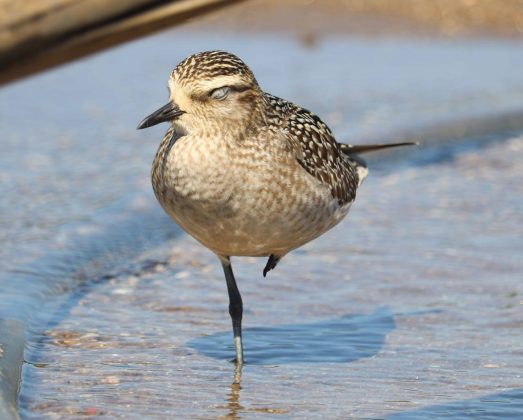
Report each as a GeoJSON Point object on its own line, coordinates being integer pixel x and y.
{"type": "Point", "coordinates": [315, 148]}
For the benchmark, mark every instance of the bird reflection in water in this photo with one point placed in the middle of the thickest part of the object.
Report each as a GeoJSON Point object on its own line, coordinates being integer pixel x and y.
{"type": "Point", "coordinates": [234, 405]}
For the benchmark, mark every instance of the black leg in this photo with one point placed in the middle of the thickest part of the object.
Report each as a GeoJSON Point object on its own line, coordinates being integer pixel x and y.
{"type": "Point", "coordinates": [235, 309]}
{"type": "Point", "coordinates": [271, 264]}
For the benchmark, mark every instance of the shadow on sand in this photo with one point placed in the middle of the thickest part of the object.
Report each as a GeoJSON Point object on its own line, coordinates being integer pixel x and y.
{"type": "Point", "coordinates": [338, 340]}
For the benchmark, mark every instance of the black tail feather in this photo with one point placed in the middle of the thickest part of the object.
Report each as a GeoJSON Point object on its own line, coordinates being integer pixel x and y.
{"type": "Point", "coordinates": [350, 149]}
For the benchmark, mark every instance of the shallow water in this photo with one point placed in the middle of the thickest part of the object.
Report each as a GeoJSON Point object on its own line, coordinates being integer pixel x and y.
{"type": "Point", "coordinates": [412, 307]}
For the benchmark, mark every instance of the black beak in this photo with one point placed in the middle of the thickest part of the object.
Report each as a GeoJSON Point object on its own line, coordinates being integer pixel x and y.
{"type": "Point", "coordinates": [168, 112]}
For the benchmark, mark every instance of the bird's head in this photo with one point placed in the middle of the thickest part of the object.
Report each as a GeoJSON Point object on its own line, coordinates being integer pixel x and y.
{"type": "Point", "coordinates": [209, 91]}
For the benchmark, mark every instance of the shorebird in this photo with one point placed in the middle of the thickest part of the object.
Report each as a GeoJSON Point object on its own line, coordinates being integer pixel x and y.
{"type": "Point", "coordinates": [245, 172]}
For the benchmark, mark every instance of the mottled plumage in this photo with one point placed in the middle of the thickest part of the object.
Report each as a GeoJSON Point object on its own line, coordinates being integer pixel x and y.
{"type": "Point", "coordinates": [316, 149]}
{"type": "Point", "coordinates": [244, 172]}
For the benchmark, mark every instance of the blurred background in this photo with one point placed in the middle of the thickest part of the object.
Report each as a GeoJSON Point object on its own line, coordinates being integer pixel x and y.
{"type": "Point", "coordinates": [411, 308]}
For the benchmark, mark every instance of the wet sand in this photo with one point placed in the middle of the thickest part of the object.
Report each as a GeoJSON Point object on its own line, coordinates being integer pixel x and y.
{"type": "Point", "coordinates": [410, 18]}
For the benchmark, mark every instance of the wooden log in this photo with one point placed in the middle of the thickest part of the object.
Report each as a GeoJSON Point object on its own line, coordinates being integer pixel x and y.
{"type": "Point", "coordinates": [36, 35]}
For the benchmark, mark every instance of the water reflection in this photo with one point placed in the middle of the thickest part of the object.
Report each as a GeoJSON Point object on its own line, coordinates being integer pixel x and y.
{"type": "Point", "coordinates": [339, 340]}
{"type": "Point", "coordinates": [233, 401]}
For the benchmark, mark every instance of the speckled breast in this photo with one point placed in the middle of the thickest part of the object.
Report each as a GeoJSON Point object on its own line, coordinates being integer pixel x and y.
{"type": "Point", "coordinates": [242, 200]}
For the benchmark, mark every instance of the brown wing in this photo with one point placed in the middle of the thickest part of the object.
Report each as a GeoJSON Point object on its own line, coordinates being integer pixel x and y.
{"type": "Point", "coordinates": [316, 149]}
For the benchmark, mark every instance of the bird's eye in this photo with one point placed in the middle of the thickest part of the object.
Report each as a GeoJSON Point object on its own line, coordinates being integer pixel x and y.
{"type": "Point", "coordinates": [220, 93]}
